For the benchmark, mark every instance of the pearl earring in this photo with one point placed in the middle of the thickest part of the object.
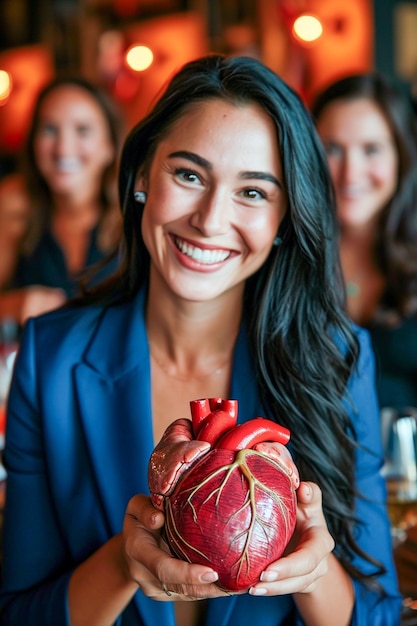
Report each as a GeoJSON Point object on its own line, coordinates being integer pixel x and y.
{"type": "Point", "coordinates": [277, 241]}
{"type": "Point", "coordinates": [140, 196]}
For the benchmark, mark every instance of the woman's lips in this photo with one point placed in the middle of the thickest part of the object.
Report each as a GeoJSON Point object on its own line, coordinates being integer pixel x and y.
{"type": "Point", "coordinates": [205, 256]}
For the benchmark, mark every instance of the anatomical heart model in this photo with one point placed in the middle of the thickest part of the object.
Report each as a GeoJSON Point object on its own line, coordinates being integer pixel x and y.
{"type": "Point", "coordinates": [227, 490]}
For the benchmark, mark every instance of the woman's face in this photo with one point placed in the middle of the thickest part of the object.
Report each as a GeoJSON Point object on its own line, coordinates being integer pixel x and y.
{"type": "Point", "coordinates": [362, 157]}
{"type": "Point", "coordinates": [72, 144]}
{"type": "Point", "coordinates": [215, 199]}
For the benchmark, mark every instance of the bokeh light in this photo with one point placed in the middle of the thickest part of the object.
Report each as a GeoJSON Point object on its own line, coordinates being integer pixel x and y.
{"type": "Point", "coordinates": [307, 28]}
{"type": "Point", "coordinates": [5, 86]}
{"type": "Point", "coordinates": [139, 58]}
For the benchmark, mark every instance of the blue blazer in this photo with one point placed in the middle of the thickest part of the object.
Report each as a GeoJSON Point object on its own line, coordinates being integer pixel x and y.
{"type": "Point", "coordinates": [79, 436]}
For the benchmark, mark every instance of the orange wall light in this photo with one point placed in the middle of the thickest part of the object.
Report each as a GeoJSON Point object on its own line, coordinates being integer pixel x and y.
{"type": "Point", "coordinates": [5, 86]}
{"type": "Point", "coordinates": [30, 68]}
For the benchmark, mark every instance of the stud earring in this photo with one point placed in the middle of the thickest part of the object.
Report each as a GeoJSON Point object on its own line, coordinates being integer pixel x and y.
{"type": "Point", "coordinates": [140, 196]}
{"type": "Point", "coordinates": [277, 241]}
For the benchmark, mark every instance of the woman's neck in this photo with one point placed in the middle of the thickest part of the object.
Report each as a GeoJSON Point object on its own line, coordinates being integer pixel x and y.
{"type": "Point", "coordinates": [192, 339]}
{"type": "Point", "coordinates": [71, 225]}
{"type": "Point", "coordinates": [364, 282]}
{"type": "Point", "coordinates": [361, 236]}
{"type": "Point", "coordinates": [75, 215]}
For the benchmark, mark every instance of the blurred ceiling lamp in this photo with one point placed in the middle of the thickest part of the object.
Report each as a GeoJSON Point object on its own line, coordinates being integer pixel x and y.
{"type": "Point", "coordinates": [307, 28]}
{"type": "Point", "coordinates": [5, 86]}
{"type": "Point", "coordinates": [139, 58]}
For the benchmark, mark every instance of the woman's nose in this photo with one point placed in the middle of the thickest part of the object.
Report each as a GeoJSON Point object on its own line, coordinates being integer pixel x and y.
{"type": "Point", "coordinates": [63, 143]}
{"type": "Point", "coordinates": [212, 215]}
{"type": "Point", "coordinates": [352, 167]}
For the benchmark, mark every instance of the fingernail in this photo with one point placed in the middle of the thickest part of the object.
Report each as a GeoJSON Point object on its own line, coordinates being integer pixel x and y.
{"type": "Point", "coordinates": [209, 577]}
{"type": "Point", "coordinates": [257, 591]}
{"type": "Point", "coordinates": [269, 577]}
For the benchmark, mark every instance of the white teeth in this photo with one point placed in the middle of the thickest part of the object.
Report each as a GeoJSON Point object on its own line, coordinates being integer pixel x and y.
{"type": "Point", "coordinates": [353, 192]}
{"type": "Point", "coordinates": [207, 257]}
{"type": "Point", "coordinates": [70, 164]}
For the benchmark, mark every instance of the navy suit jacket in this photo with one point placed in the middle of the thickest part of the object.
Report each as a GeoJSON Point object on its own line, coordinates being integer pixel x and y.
{"type": "Point", "coordinates": [79, 437]}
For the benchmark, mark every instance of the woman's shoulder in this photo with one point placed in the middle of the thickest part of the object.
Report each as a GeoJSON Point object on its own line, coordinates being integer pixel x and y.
{"type": "Point", "coordinates": [68, 325]}
{"type": "Point", "coordinates": [365, 363]}
{"type": "Point", "coordinates": [72, 327]}
{"type": "Point", "coordinates": [362, 337]}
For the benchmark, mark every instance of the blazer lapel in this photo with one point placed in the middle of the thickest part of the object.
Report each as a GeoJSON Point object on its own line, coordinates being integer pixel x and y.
{"type": "Point", "coordinates": [113, 388]}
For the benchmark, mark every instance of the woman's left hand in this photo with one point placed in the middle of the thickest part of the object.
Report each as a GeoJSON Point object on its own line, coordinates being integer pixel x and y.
{"type": "Point", "coordinates": [306, 560]}
{"type": "Point", "coordinates": [148, 562]}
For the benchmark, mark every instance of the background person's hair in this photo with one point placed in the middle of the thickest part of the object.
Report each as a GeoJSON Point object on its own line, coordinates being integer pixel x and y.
{"type": "Point", "coordinates": [395, 247]}
{"type": "Point", "coordinates": [303, 346]}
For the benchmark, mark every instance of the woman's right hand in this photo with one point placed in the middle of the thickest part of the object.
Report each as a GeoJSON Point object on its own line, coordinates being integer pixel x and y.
{"type": "Point", "coordinates": [149, 563]}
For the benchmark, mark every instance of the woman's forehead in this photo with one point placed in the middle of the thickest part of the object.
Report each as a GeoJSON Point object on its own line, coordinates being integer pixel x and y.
{"type": "Point", "coordinates": [219, 130]}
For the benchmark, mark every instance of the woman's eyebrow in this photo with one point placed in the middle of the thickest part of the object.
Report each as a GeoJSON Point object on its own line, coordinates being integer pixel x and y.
{"type": "Point", "coordinates": [199, 160]}
{"type": "Point", "coordinates": [261, 176]}
{"type": "Point", "coordinates": [191, 156]}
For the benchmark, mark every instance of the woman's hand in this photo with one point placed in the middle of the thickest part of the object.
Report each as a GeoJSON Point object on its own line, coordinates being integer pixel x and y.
{"type": "Point", "coordinates": [306, 560]}
{"type": "Point", "coordinates": [38, 299]}
{"type": "Point", "coordinates": [150, 564]}
{"type": "Point", "coordinates": [25, 302]}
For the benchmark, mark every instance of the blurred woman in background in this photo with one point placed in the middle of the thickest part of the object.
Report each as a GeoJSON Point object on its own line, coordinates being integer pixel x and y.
{"type": "Point", "coordinates": [70, 166]}
{"type": "Point", "coordinates": [369, 131]}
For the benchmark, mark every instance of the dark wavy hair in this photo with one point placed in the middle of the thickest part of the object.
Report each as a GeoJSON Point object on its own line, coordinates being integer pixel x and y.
{"type": "Point", "coordinates": [294, 304]}
{"type": "Point", "coordinates": [395, 249]}
{"type": "Point", "coordinates": [38, 190]}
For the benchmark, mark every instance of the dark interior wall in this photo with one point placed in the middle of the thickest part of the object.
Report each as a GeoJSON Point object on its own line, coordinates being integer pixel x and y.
{"type": "Point", "coordinates": [384, 35]}
{"type": "Point", "coordinates": [384, 44]}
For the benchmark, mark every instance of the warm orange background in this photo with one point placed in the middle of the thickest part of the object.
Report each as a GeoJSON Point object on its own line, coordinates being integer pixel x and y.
{"type": "Point", "coordinates": [346, 46]}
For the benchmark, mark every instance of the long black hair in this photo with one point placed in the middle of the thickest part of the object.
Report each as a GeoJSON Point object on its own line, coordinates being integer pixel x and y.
{"type": "Point", "coordinates": [303, 346]}
{"type": "Point", "coordinates": [395, 250]}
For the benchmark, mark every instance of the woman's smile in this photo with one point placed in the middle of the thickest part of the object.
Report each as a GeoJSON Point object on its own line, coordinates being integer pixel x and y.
{"type": "Point", "coordinates": [202, 254]}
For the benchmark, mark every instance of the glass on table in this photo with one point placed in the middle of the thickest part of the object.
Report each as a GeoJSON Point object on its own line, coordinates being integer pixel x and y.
{"type": "Point", "coordinates": [8, 351]}
{"type": "Point", "coordinates": [399, 435]}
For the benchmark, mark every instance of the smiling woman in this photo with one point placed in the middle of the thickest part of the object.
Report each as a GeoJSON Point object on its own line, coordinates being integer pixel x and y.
{"type": "Point", "coordinates": [369, 130]}
{"type": "Point", "coordinates": [203, 305]}
{"type": "Point", "coordinates": [71, 153]}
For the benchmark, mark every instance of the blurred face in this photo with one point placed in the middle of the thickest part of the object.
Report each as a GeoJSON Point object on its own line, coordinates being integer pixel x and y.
{"type": "Point", "coordinates": [72, 144]}
{"type": "Point", "coordinates": [215, 199]}
{"type": "Point", "coordinates": [362, 157]}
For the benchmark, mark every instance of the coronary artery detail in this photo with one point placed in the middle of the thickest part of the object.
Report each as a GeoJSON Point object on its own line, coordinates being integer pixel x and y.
{"type": "Point", "coordinates": [228, 491]}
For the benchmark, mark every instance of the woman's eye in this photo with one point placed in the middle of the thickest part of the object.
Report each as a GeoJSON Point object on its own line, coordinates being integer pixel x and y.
{"type": "Point", "coordinates": [332, 149]}
{"type": "Point", "coordinates": [83, 130]}
{"type": "Point", "coordinates": [372, 148]}
{"type": "Point", "coordinates": [254, 194]}
{"type": "Point", "coordinates": [187, 176]}
{"type": "Point", "coordinates": [48, 129]}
